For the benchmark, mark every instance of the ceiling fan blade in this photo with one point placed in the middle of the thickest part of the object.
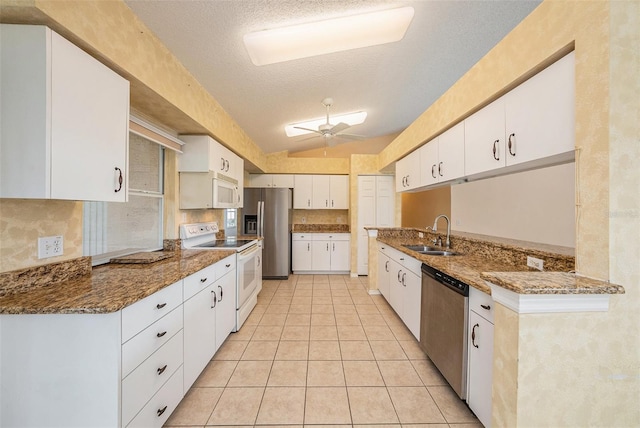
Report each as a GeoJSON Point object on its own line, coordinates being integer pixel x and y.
{"type": "Point", "coordinates": [339, 127]}
{"type": "Point", "coordinates": [350, 136]}
{"type": "Point", "coordinates": [308, 129]}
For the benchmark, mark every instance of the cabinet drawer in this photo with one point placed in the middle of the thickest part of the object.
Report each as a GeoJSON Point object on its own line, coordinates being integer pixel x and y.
{"type": "Point", "coordinates": [144, 381]}
{"type": "Point", "coordinates": [481, 303]}
{"type": "Point", "coordinates": [156, 412]}
{"type": "Point", "coordinates": [142, 314]}
{"type": "Point", "coordinates": [145, 343]}
{"type": "Point", "coordinates": [331, 236]}
{"type": "Point", "coordinates": [225, 266]}
{"type": "Point", "coordinates": [301, 236]}
{"type": "Point", "coordinates": [199, 281]}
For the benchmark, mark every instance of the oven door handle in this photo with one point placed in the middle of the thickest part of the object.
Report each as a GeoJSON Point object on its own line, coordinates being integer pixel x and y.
{"type": "Point", "coordinates": [248, 252]}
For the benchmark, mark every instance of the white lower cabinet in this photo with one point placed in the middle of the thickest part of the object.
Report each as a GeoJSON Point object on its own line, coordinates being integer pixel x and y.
{"type": "Point", "coordinates": [400, 283]}
{"type": "Point", "coordinates": [129, 368]}
{"type": "Point", "coordinates": [321, 252]}
{"type": "Point", "coordinates": [480, 345]}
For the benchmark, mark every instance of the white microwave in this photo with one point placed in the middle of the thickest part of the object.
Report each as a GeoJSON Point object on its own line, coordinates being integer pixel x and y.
{"type": "Point", "coordinates": [200, 190]}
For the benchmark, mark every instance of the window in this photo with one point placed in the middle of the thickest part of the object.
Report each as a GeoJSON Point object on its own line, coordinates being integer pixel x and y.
{"type": "Point", "coordinates": [113, 229]}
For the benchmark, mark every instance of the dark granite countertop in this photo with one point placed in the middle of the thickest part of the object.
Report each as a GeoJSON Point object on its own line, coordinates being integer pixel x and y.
{"type": "Point", "coordinates": [106, 288]}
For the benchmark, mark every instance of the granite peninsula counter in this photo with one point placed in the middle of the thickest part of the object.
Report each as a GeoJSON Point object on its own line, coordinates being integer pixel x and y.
{"type": "Point", "coordinates": [103, 289]}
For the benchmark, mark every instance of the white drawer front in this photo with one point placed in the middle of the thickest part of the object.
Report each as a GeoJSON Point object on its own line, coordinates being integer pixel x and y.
{"type": "Point", "coordinates": [156, 412]}
{"type": "Point", "coordinates": [225, 266]}
{"type": "Point", "coordinates": [481, 303]}
{"type": "Point", "coordinates": [301, 236]}
{"type": "Point", "coordinates": [142, 314]}
{"type": "Point", "coordinates": [145, 343]}
{"type": "Point", "coordinates": [144, 381]}
{"type": "Point", "coordinates": [199, 281]}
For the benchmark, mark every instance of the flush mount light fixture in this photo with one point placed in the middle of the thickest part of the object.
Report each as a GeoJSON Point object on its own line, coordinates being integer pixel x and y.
{"type": "Point", "coordinates": [332, 35]}
{"type": "Point", "coordinates": [350, 119]}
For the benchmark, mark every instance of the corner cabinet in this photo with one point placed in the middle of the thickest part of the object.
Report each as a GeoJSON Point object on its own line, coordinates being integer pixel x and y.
{"type": "Point", "coordinates": [65, 120]}
{"type": "Point", "coordinates": [408, 172]}
{"type": "Point", "coordinates": [480, 346]}
{"type": "Point", "coordinates": [329, 192]}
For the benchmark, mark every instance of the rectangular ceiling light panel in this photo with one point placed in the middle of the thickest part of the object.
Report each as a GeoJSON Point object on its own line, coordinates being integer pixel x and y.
{"type": "Point", "coordinates": [323, 37]}
{"type": "Point", "coordinates": [350, 118]}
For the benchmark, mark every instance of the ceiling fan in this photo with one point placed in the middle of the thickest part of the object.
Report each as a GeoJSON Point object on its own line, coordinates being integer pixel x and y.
{"type": "Point", "coordinates": [329, 131]}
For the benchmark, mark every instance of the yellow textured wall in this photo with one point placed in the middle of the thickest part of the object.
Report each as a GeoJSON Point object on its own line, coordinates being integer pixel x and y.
{"type": "Point", "coordinates": [346, 149]}
{"type": "Point", "coordinates": [23, 221]}
{"type": "Point", "coordinates": [281, 163]}
{"type": "Point", "coordinates": [421, 208]}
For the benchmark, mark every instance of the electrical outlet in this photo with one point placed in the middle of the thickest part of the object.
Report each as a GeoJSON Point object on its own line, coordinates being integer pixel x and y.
{"type": "Point", "coordinates": [535, 263]}
{"type": "Point", "coordinates": [420, 235]}
{"type": "Point", "coordinates": [50, 246]}
{"type": "Point", "coordinates": [304, 220]}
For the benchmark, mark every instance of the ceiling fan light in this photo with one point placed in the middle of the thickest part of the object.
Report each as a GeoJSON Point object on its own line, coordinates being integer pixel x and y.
{"type": "Point", "coordinates": [351, 119]}
{"type": "Point", "coordinates": [328, 36]}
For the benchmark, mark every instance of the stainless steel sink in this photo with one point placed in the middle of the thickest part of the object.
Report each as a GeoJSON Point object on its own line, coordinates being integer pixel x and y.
{"type": "Point", "coordinates": [430, 251]}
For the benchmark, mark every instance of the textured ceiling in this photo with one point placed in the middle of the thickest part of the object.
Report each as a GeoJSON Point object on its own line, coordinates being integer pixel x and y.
{"type": "Point", "coordinates": [394, 83]}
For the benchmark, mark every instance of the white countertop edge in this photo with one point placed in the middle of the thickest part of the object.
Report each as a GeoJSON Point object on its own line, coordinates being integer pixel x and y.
{"type": "Point", "coordinates": [548, 303]}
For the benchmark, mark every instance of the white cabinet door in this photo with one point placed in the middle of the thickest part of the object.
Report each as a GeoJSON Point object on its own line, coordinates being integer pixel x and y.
{"type": "Point", "coordinates": [396, 289]}
{"type": "Point", "coordinates": [480, 345]}
{"type": "Point", "coordinates": [411, 307]}
{"type": "Point", "coordinates": [339, 191]}
{"type": "Point", "coordinates": [321, 192]}
{"type": "Point", "coordinates": [321, 255]}
{"type": "Point", "coordinates": [340, 256]}
{"type": "Point", "coordinates": [385, 201]}
{"type": "Point", "coordinates": [65, 120]}
{"type": "Point", "coordinates": [225, 307]}
{"type": "Point", "coordinates": [284, 181]}
{"type": "Point", "coordinates": [303, 192]}
{"type": "Point", "coordinates": [199, 334]}
{"type": "Point", "coordinates": [451, 154]}
{"type": "Point", "coordinates": [366, 218]}
{"type": "Point", "coordinates": [384, 266]}
{"type": "Point", "coordinates": [261, 180]}
{"type": "Point", "coordinates": [429, 163]}
{"type": "Point", "coordinates": [540, 114]}
{"type": "Point", "coordinates": [301, 255]}
{"type": "Point", "coordinates": [408, 172]}
{"type": "Point", "coordinates": [484, 139]}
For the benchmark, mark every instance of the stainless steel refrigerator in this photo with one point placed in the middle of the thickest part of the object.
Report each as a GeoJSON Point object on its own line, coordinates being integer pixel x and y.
{"type": "Point", "coordinates": [267, 213]}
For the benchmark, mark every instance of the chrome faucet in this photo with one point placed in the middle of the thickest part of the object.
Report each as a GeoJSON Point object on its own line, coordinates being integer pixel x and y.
{"type": "Point", "coordinates": [435, 227]}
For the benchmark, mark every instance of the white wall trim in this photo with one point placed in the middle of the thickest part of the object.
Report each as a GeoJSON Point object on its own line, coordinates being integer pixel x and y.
{"type": "Point", "coordinates": [549, 303]}
{"type": "Point", "coordinates": [373, 233]}
{"type": "Point", "coordinates": [354, 274]}
{"type": "Point", "coordinates": [374, 292]}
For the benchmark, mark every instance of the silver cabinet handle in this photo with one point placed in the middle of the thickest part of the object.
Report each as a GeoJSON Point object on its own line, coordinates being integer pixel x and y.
{"type": "Point", "coordinates": [221, 295]}
{"type": "Point", "coordinates": [386, 266]}
{"type": "Point", "coordinates": [214, 299]}
{"type": "Point", "coordinates": [512, 143]}
{"type": "Point", "coordinates": [308, 202]}
{"type": "Point", "coordinates": [440, 169]}
{"type": "Point", "coordinates": [487, 307]}
{"type": "Point", "coordinates": [326, 203]}
{"type": "Point", "coordinates": [308, 247]}
{"type": "Point", "coordinates": [399, 273]}
{"type": "Point", "coordinates": [404, 275]}
{"type": "Point", "coordinates": [433, 172]}
{"type": "Point", "coordinates": [203, 280]}
{"type": "Point", "coordinates": [223, 164]}
{"type": "Point", "coordinates": [496, 154]}
{"type": "Point", "coordinates": [334, 246]}
{"type": "Point", "coordinates": [161, 411]}
{"type": "Point", "coordinates": [120, 180]}
{"type": "Point", "coordinates": [327, 246]}
{"type": "Point", "coordinates": [161, 334]}
{"type": "Point", "coordinates": [162, 369]}
{"type": "Point", "coordinates": [160, 305]}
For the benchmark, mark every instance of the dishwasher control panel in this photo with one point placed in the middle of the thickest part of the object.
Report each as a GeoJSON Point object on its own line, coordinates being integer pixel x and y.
{"type": "Point", "coordinates": [447, 280]}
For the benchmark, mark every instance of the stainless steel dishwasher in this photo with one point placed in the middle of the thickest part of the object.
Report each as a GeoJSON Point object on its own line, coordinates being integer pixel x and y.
{"type": "Point", "coordinates": [443, 326]}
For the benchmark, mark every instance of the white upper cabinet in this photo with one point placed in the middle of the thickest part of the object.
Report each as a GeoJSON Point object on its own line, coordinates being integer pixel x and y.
{"type": "Point", "coordinates": [65, 120]}
{"type": "Point", "coordinates": [202, 153]}
{"type": "Point", "coordinates": [533, 122]}
{"type": "Point", "coordinates": [408, 172]}
{"type": "Point", "coordinates": [451, 154]}
{"type": "Point", "coordinates": [271, 180]}
{"type": "Point", "coordinates": [484, 139]}
{"type": "Point", "coordinates": [429, 163]}
{"type": "Point", "coordinates": [303, 192]}
{"type": "Point", "coordinates": [540, 114]}
{"type": "Point", "coordinates": [330, 192]}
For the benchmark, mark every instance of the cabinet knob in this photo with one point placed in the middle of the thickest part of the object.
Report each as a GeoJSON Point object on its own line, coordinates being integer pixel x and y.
{"type": "Point", "coordinates": [160, 305]}
{"type": "Point", "coordinates": [203, 280]}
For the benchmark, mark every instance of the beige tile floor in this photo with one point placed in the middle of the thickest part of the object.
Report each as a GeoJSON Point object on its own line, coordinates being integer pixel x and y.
{"type": "Point", "coordinates": [319, 350]}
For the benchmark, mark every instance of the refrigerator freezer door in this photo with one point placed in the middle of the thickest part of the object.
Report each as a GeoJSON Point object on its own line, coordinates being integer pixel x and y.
{"type": "Point", "coordinates": [277, 227]}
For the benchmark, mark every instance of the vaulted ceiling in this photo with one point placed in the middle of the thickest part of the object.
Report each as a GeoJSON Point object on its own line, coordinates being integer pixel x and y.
{"type": "Point", "coordinates": [394, 83]}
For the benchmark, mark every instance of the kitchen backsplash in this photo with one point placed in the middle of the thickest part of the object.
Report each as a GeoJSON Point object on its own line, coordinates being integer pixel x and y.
{"type": "Point", "coordinates": [320, 217]}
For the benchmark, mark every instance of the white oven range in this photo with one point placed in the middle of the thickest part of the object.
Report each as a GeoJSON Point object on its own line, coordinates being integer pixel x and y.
{"type": "Point", "coordinates": [202, 236]}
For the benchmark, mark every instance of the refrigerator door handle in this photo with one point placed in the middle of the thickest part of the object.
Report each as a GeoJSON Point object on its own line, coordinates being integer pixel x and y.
{"type": "Point", "coordinates": [262, 219]}
{"type": "Point", "coordinates": [258, 231]}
